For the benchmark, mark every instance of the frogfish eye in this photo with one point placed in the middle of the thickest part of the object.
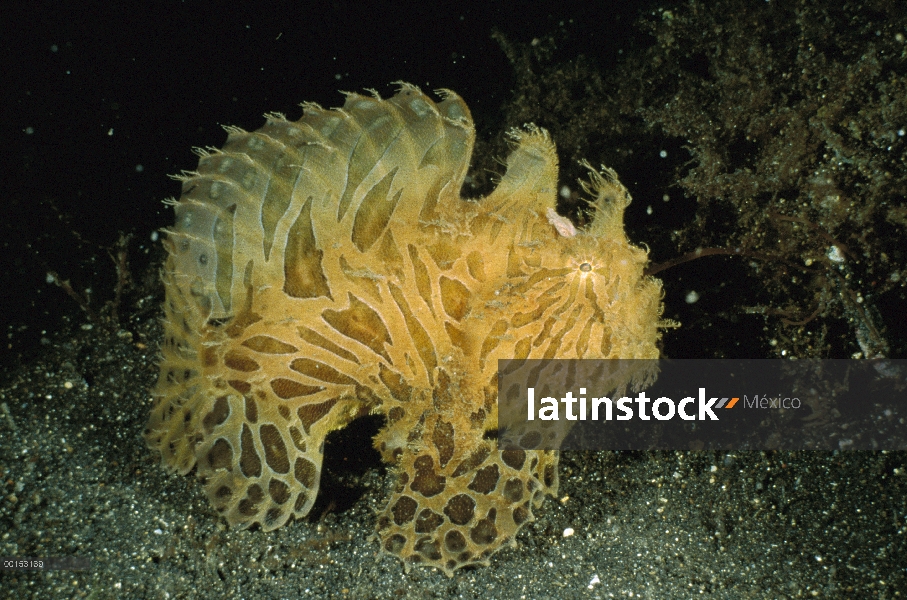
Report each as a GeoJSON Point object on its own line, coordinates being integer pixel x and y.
{"type": "Point", "coordinates": [585, 267]}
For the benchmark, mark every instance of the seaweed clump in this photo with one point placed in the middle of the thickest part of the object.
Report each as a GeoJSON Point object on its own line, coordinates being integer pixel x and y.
{"type": "Point", "coordinates": [794, 118]}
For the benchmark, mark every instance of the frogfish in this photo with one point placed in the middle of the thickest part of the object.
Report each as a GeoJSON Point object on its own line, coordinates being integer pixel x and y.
{"type": "Point", "coordinates": [327, 268]}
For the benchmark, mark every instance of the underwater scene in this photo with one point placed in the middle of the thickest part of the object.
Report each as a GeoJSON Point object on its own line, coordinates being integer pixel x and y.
{"type": "Point", "coordinates": [271, 269]}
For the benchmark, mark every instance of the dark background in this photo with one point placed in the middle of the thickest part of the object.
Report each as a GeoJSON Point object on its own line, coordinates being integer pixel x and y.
{"type": "Point", "coordinates": [101, 101]}
{"type": "Point", "coordinates": [92, 91]}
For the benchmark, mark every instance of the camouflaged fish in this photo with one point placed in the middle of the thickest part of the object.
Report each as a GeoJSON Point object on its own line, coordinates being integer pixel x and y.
{"type": "Point", "coordinates": [326, 268]}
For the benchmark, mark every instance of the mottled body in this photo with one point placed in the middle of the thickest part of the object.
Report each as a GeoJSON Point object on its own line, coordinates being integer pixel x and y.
{"type": "Point", "coordinates": [326, 268]}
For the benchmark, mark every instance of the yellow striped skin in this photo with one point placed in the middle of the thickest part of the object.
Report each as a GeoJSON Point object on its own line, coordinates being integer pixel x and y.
{"type": "Point", "coordinates": [326, 268]}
